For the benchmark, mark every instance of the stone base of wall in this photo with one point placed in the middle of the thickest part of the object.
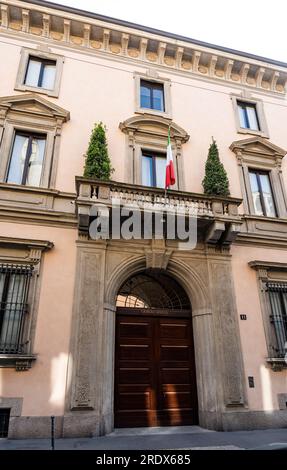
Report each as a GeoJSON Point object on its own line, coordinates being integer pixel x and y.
{"type": "Point", "coordinates": [33, 427]}
{"type": "Point", "coordinates": [81, 424]}
{"type": "Point", "coordinates": [249, 420]}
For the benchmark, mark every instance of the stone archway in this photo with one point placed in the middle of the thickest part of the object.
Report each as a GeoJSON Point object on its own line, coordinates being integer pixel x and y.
{"type": "Point", "coordinates": [206, 277]}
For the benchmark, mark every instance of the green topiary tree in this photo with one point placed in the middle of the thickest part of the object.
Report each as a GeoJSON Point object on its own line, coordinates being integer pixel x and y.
{"type": "Point", "coordinates": [215, 181]}
{"type": "Point", "coordinates": [98, 164]}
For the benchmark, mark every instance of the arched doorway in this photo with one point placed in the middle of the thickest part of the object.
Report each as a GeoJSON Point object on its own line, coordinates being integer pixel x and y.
{"type": "Point", "coordinates": [155, 383]}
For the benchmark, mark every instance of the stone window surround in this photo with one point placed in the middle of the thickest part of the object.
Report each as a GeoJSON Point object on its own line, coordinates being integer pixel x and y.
{"type": "Point", "coordinates": [15, 405]}
{"type": "Point", "coordinates": [269, 161]}
{"type": "Point", "coordinates": [152, 76]}
{"type": "Point", "coordinates": [269, 271]}
{"type": "Point", "coordinates": [48, 121]}
{"type": "Point", "coordinates": [25, 251]}
{"type": "Point", "coordinates": [153, 138]}
{"type": "Point", "coordinates": [246, 97]}
{"type": "Point", "coordinates": [26, 53]}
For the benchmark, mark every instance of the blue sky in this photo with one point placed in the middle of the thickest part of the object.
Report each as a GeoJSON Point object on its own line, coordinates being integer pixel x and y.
{"type": "Point", "coordinates": [255, 26]}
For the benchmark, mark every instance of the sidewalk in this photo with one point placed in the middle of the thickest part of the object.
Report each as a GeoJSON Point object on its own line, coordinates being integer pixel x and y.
{"type": "Point", "coordinates": [186, 437]}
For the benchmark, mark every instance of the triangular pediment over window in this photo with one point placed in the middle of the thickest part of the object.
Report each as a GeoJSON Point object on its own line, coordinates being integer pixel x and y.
{"type": "Point", "coordinates": [33, 104]}
{"type": "Point", "coordinates": [257, 146]}
{"type": "Point", "coordinates": [154, 126]}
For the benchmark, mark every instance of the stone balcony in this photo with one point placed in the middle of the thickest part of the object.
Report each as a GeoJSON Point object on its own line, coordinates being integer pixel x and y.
{"type": "Point", "coordinates": [218, 221]}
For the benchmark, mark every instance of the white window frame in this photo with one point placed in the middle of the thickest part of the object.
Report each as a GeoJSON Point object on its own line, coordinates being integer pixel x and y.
{"type": "Point", "coordinates": [269, 160]}
{"type": "Point", "coordinates": [263, 130]}
{"type": "Point", "coordinates": [8, 145]}
{"type": "Point", "coordinates": [154, 149]}
{"type": "Point", "coordinates": [26, 54]}
{"type": "Point", "coordinates": [153, 78]}
{"type": "Point", "coordinates": [49, 122]}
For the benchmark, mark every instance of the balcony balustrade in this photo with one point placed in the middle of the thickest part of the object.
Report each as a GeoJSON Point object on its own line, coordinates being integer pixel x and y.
{"type": "Point", "coordinates": [218, 220]}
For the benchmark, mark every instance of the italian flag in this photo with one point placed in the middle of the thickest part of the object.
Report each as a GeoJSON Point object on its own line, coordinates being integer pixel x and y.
{"type": "Point", "coordinates": [169, 174]}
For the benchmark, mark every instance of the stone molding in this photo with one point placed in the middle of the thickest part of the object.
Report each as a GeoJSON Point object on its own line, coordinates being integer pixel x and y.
{"type": "Point", "coordinates": [148, 132]}
{"type": "Point", "coordinates": [157, 255]}
{"type": "Point", "coordinates": [152, 76]}
{"type": "Point", "coordinates": [31, 113]}
{"type": "Point", "coordinates": [129, 43]}
{"type": "Point", "coordinates": [25, 251]}
{"type": "Point", "coordinates": [15, 405]}
{"type": "Point", "coordinates": [37, 205]}
{"type": "Point", "coordinates": [209, 210]}
{"type": "Point", "coordinates": [263, 129]}
{"type": "Point", "coordinates": [277, 272]}
{"type": "Point", "coordinates": [261, 154]}
{"type": "Point", "coordinates": [101, 270]}
{"type": "Point", "coordinates": [26, 53]}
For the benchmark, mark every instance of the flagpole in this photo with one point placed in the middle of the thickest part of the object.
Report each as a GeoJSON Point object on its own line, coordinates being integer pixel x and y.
{"type": "Point", "coordinates": [165, 189]}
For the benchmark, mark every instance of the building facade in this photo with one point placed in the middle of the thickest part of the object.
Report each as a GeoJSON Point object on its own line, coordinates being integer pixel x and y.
{"type": "Point", "coordinates": [139, 332]}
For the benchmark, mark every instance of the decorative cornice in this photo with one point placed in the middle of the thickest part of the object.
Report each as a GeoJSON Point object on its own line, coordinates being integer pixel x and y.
{"type": "Point", "coordinates": [268, 265]}
{"type": "Point", "coordinates": [144, 123]}
{"type": "Point", "coordinates": [257, 145]}
{"type": "Point", "coordinates": [34, 104]}
{"type": "Point", "coordinates": [79, 29]}
{"type": "Point", "coordinates": [11, 242]}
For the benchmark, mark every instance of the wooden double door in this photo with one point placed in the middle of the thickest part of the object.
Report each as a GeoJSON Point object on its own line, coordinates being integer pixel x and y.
{"type": "Point", "coordinates": [154, 369]}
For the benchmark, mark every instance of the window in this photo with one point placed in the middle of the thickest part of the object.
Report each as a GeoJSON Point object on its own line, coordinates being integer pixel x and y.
{"type": "Point", "coordinates": [262, 196]}
{"type": "Point", "coordinates": [248, 115]}
{"type": "Point", "coordinates": [152, 95]}
{"type": "Point", "coordinates": [31, 134]}
{"type": "Point", "coordinates": [26, 159]}
{"type": "Point", "coordinates": [4, 421]}
{"type": "Point", "coordinates": [153, 169]}
{"type": "Point", "coordinates": [262, 184]}
{"type": "Point", "coordinates": [41, 73]}
{"type": "Point", "coordinates": [278, 318]}
{"type": "Point", "coordinates": [14, 288]}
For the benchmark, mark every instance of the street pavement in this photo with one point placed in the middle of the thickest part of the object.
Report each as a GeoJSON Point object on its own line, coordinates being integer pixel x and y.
{"type": "Point", "coordinates": [163, 438]}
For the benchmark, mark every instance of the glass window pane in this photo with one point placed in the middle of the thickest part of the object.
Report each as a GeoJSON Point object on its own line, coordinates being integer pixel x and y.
{"type": "Point", "coordinates": [242, 117]}
{"type": "Point", "coordinates": [48, 79]}
{"type": "Point", "coordinates": [278, 321]}
{"type": "Point", "coordinates": [158, 102]}
{"type": "Point", "coordinates": [252, 118]}
{"type": "Point", "coordinates": [11, 324]}
{"type": "Point", "coordinates": [160, 166]}
{"type": "Point", "coordinates": [33, 72]}
{"type": "Point", "coordinates": [18, 159]}
{"type": "Point", "coordinates": [267, 196]}
{"type": "Point", "coordinates": [147, 171]}
{"type": "Point", "coordinates": [255, 194]}
{"type": "Point", "coordinates": [35, 162]}
{"type": "Point", "coordinates": [145, 97]}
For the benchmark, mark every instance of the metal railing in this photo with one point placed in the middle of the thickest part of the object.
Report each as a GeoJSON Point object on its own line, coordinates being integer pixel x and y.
{"type": "Point", "coordinates": [279, 323]}
{"type": "Point", "coordinates": [14, 288]}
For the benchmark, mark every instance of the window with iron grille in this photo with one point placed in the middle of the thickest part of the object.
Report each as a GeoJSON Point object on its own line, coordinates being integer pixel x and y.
{"type": "Point", "coordinates": [4, 421]}
{"type": "Point", "coordinates": [278, 318]}
{"type": "Point", "coordinates": [14, 289]}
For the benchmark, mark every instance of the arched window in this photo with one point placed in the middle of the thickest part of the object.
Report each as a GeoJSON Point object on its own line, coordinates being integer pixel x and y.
{"type": "Point", "coordinates": [152, 289]}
